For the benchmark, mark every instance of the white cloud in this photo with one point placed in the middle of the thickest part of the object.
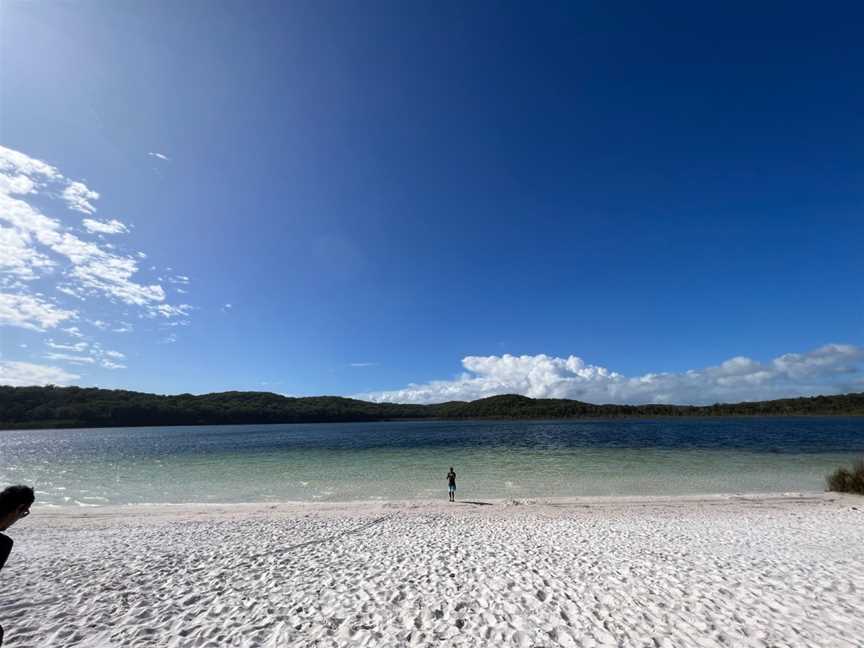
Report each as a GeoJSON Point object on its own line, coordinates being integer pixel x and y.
{"type": "Point", "coordinates": [15, 164]}
{"type": "Point", "coordinates": [66, 357]}
{"type": "Point", "coordinates": [363, 364]}
{"type": "Point", "coordinates": [112, 226]}
{"type": "Point", "coordinates": [24, 374]}
{"type": "Point", "coordinates": [75, 249]}
{"type": "Point", "coordinates": [78, 347]}
{"type": "Point", "coordinates": [16, 184]}
{"type": "Point", "coordinates": [31, 224]}
{"type": "Point", "coordinates": [19, 258]}
{"type": "Point", "coordinates": [78, 196]}
{"type": "Point", "coordinates": [72, 291]}
{"type": "Point", "coordinates": [159, 155]}
{"type": "Point", "coordinates": [31, 312]}
{"type": "Point", "coordinates": [30, 227]}
{"type": "Point", "coordinates": [111, 276]}
{"type": "Point", "coordinates": [49, 253]}
{"type": "Point", "coordinates": [167, 310]}
{"type": "Point", "coordinates": [87, 354]}
{"type": "Point", "coordinates": [93, 268]}
{"type": "Point", "coordinates": [832, 358]}
{"type": "Point", "coordinates": [834, 368]}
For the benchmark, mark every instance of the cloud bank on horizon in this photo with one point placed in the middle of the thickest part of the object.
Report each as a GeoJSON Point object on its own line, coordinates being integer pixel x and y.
{"type": "Point", "coordinates": [62, 277]}
{"type": "Point", "coordinates": [830, 369]}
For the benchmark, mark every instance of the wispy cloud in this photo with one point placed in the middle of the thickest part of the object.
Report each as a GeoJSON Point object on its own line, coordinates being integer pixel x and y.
{"type": "Point", "coordinates": [112, 226]}
{"type": "Point", "coordinates": [833, 368]}
{"type": "Point", "coordinates": [78, 347]}
{"type": "Point", "coordinates": [74, 331]}
{"type": "Point", "coordinates": [363, 364]}
{"type": "Point", "coordinates": [84, 353]}
{"type": "Point", "coordinates": [51, 274]}
{"type": "Point", "coordinates": [23, 374]}
{"type": "Point", "coordinates": [66, 357]}
{"type": "Point", "coordinates": [19, 258]}
{"type": "Point", "coordinates": [78, 196]}
{"type": "Point", "coordinates": [39, 243]}
{"type": "Point", "coordinates": [159, 156]}
{"type": "Point", "coordinates": [31, 312]}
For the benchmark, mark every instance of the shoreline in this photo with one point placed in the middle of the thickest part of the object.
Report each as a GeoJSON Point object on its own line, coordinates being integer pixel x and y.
{"type": "Point", "coordinates": [59, 514]}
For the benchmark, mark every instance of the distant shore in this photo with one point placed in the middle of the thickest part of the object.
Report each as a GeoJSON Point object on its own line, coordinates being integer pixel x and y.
{"type": "Point", "coordinates": [756, 570]}
{"type": "Point", "coordinates": [477, 419]}
{"type": "Point", "coordinates": [74, 407]}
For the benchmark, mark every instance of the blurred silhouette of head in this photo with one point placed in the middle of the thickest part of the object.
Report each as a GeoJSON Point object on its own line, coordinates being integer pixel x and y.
{"type": "Point", "coordinates": [15, 502]}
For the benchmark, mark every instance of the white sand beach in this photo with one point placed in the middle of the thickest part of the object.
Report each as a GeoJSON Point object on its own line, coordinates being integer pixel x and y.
{"type": "Point", "coordinates": [779, 570]}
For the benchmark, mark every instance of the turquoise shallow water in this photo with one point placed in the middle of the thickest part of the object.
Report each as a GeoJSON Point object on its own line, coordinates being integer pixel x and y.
{"type": "Point", "coordinates": [404, 460]}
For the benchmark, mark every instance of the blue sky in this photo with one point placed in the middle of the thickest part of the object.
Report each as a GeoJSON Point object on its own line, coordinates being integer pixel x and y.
{"type": "Point", "coordinates": [421, 201]}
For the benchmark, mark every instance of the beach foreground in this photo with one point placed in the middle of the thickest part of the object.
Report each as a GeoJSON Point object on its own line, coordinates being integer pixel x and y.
{"type": "Point", "coordinates": [778, 570]}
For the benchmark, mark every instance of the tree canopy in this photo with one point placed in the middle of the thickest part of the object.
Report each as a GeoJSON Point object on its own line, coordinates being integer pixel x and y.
{"type": "Point", "coordinates": [42, 407]}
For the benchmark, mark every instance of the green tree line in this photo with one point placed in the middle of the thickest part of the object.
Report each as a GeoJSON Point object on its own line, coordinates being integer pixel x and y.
{"type": "Point", "coordinates": [41, 407]}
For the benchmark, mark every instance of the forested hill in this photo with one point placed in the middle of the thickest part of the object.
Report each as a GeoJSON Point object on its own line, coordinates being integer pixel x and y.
{"type": "Point", "coordinates": [39, 407]}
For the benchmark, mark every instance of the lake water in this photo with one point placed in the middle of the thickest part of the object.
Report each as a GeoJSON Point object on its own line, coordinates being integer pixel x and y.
{"type": "Point", "coordinates": [404, 460]}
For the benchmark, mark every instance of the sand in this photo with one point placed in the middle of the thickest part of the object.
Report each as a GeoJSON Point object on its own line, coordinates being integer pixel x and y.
{"type": "Point", "coordinates": [704, 571]}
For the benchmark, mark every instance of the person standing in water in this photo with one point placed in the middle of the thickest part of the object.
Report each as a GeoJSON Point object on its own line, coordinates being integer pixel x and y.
{"type": "Point", "coordinates": [451, 484]}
